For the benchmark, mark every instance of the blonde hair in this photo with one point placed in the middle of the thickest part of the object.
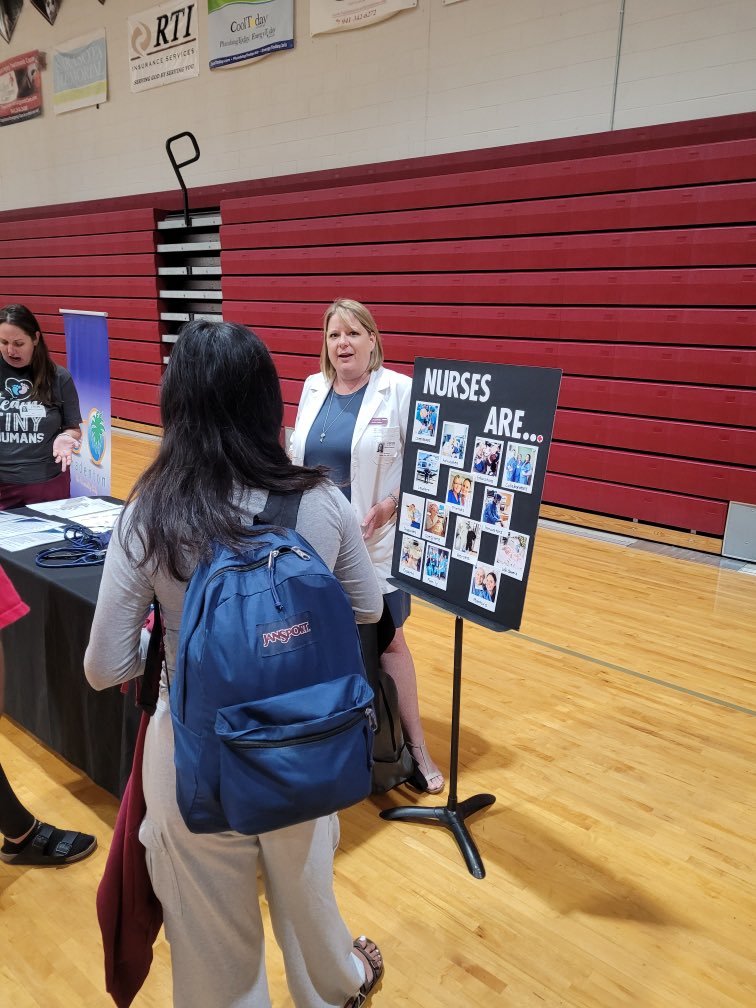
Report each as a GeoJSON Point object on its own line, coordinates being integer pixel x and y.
{"type": "Point", "coordinates": [344, 307]}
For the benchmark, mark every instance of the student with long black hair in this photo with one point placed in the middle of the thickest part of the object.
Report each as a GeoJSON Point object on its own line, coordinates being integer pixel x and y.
{"type": "Point", "coordinates": [40, 418]}
{"type": "Point", "coordinates": [220, 456]}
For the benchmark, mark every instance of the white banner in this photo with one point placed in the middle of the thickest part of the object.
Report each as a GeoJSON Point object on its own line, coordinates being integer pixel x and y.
{"type": "Point", "coordinates": [163, 45]}
{"type": "Point", "coordinates": [342, 15]}
{"type": "Point", "coordinates": [239, 31]}
{"type": "Point", "coordinates": [80, 72]}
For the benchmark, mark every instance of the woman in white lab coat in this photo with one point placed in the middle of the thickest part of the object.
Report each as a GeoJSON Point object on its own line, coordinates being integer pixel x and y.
{"type": "Point", "coordinates": [352, 418]}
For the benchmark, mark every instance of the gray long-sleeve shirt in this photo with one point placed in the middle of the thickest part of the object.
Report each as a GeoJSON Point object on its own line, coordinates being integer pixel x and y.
{"type": "Point", "coordinates": [325, 519]}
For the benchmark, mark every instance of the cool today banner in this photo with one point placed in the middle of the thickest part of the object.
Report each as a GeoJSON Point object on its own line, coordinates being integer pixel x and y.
{"type": "Point", "coordinates": [89, 363]}
{"type": "Point", "coordinates": [245, 31]}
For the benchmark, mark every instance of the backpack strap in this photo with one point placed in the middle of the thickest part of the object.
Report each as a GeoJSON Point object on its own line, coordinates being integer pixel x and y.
{"type": "Point", "coordinates": [280, 509]}
{"type": "Point", "coordinates": [148, 684]}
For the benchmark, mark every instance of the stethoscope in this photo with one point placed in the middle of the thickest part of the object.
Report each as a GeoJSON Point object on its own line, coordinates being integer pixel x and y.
{"type": "Point", "coordinates": [84, 548]}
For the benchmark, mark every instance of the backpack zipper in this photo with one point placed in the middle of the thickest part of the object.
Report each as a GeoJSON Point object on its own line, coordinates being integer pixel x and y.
{"type": "Point", "coordinates": [368, 713]}
{"type": "Point", "coordinates": [272, 557]}
{"type": "Point", "coordinates": [271, 564]}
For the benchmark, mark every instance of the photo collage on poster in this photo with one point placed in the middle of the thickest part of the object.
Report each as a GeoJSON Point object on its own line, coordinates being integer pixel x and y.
{"type": "Point", "coordinates": [437, 521]}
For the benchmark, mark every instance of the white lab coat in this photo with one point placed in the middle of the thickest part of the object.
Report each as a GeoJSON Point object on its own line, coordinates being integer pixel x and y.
{"type": "Point", "coordinates": [377, 450]}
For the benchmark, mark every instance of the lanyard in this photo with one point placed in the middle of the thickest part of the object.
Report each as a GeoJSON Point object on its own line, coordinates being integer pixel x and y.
{"type": "Point", "coordinates": [84, 548]}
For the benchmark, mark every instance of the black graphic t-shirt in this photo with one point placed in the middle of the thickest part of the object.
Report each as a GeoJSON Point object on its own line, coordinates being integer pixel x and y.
{"type": "Point", "coordinates": [28, 428]}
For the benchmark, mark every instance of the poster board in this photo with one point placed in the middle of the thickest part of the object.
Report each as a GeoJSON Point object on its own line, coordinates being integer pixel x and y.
{"type": "Point", "coordinates": [475, 454]}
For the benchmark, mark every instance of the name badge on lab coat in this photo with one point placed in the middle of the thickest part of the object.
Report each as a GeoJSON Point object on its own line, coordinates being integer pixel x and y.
{"type": "Point", "coordinates": [385, 441]}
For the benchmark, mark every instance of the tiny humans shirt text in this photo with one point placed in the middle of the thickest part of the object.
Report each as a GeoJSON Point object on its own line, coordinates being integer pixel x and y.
{"type": "Point", "coordinates": [28, 428]}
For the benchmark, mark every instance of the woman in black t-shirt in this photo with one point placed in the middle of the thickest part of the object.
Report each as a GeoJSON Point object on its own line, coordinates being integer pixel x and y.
{"type": "Point", "coordinates": [39, 415]}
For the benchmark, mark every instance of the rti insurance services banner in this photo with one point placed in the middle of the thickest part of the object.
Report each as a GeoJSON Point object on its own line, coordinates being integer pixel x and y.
{"type": "Point", "coordinates": [163, 45]}
{"type": "Point", "coordinates": [342, 15]}
{"type": "Point", "coordinates": [245, 31]}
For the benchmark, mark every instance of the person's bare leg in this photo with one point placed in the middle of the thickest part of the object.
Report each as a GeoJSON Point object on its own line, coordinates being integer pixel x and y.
{"type": "Point", "coordinates": [397, 661]}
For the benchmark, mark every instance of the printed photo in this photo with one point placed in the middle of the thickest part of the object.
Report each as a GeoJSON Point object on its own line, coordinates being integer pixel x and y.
{"type": "Point", "coordinates": [411, 514]}
{"type": "Point", "coordinates": [486, 460]}
{"type": "Point", "coordinates": [519, 467]}
{"type": "Point", "coordinates": [453, 444]}
{"type": "Point", "coordinates": [484, 586]}
{"type": "Point", "coordinates": [436, 567]}
{"type": "Point", "coordinates": [426, 472]}
{"type": "Point", "coordinates": [411, 557]}
{"type": "Point", "coordinates": [511, 554]}
{"type": "Point", "coordinates": [497, 510]}
{"type": "Point", "coordinates": [47, 8]}
{"type": "Point", "coordinates": [436, 521]}
{"type": "Point", "coordinates": [466, 540]}
{"type": "Point", "coordinates": [426, 422]}
{"type": "Point", "coordinates": [459, 492]}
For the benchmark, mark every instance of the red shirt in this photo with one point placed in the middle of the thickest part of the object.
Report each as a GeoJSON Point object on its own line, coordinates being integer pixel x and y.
{"type": "Point", "coordinates": [11, 606]}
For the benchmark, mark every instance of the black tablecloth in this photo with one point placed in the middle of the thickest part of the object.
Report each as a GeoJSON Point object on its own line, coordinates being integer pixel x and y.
{"type": "Point", "coordinates": [45, 688]}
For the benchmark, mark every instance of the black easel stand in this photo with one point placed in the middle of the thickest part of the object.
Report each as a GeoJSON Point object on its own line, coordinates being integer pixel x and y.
{"type": "Point", "coordinates": [453, 814]}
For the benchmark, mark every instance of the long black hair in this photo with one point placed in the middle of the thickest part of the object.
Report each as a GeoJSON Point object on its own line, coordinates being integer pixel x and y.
{"type": "Point", "coordinates": [222, 414]}
{"type": "Point", "coordinates": [41, 364]}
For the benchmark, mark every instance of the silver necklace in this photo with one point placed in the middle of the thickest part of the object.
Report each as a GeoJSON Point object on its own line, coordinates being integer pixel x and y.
{"type": "Point", "coordinates": [327, 426]}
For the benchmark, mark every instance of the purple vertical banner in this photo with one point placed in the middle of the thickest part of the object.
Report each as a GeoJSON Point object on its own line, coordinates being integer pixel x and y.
{"type": "Point", "coordinates": [89, 364]}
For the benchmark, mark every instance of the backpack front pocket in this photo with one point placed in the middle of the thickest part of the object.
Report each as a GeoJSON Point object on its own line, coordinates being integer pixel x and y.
{"type": "Point", "coordinates": [296, 756]}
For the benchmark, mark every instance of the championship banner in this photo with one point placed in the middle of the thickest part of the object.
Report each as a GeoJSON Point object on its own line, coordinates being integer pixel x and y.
{"type": "Point", "coordinates": [80, 72]}
{"type": "Point", "coordinates": [244, 31]}
{"type": "Point", "coordinates": [342, 15]}
{"type": "Point", "coordinates": [163, 45]}
{"type": "Point", "coordinates": [20, 88]}
{"type": "Point", "coordinates": [475, 458]}
{"type": "Point", "coordinates": [89, 363]}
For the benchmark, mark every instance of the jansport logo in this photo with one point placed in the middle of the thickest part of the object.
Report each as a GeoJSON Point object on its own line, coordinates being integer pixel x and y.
{"type": "Point", "coordinates": [284, 635]}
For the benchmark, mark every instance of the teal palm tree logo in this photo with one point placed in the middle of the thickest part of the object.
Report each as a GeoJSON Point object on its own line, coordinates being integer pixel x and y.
{"type": "Point", "coordinates": [96, 435]}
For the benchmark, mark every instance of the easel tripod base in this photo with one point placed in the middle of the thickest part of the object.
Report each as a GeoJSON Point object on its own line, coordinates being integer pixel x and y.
{"type": "Point", "coordinates": [452, 816]}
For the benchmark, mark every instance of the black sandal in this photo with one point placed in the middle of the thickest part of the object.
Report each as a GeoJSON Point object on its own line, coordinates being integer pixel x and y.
{"type": "Point", "coordinates": [48, 847]}
{"type": "Point", "coordinates": [373, 961]}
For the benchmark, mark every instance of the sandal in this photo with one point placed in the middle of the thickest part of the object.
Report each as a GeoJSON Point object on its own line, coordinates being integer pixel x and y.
{"type": "Point", "coordinates": [373, 962]}
{"type": "Point", "coordinates": [48, 847]}
{"type": "Point", "coordinates": [423, 777]}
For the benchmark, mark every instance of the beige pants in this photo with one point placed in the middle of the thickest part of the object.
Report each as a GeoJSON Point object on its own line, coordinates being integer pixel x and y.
{"type": "Point", "coordinates": [208, 887]}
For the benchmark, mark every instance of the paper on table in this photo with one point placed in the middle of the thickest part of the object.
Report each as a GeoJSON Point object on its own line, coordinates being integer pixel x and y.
{"type": "Point", "coordinates": [44, 533]}
{"type": "Point", "coordinates": [10, 523]}
{"type": "Point", "coordinates": [95, 514]}
{"type": "Point", "coordinates": [76, 508]}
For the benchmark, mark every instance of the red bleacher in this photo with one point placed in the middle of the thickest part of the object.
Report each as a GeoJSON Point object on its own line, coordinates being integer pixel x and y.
{"type": "Point", "coordinates": [626, 259]}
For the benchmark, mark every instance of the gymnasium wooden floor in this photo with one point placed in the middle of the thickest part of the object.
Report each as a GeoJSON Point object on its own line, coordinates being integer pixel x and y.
{"type": "Point", "coordinates": [616, 730]}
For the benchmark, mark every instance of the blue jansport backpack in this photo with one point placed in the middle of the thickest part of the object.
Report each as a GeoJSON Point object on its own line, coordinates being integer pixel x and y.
{"type": "Point", "coordinates": [272, 712]}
